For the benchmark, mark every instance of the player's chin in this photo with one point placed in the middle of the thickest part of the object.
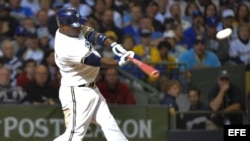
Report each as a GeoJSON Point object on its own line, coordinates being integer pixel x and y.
{"type": "Point", "coordinates": [75, 31]}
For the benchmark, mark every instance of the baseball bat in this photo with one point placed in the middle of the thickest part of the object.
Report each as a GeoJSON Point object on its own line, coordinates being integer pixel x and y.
{"type": "Point", "coordinates": [149, 70]}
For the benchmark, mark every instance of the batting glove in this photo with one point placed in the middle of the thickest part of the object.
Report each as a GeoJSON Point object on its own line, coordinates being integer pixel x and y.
{"type": "Point", "coordinates": [124, 60]}
{"type": "Point", "coordinates": [118, 49]}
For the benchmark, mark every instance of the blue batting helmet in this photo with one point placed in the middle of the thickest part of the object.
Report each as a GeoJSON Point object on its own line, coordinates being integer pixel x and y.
{"type": "Point", "coordinates": [70, 17]}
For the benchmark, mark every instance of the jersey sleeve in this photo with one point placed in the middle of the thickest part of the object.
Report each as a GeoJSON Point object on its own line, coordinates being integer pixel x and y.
{"type": "Point", "coordinates": [75, 53]}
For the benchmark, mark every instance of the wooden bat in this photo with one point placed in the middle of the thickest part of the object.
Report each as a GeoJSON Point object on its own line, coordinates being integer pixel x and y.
{"type": "Point", "coordinates": [149, 70]}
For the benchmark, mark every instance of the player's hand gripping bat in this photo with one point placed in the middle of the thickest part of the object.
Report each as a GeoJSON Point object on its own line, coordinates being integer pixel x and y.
{"type": "Point", "coordinates": [149, 70]}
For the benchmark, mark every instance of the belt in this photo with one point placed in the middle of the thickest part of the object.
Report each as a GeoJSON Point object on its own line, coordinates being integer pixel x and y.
{"type": "Point", "coordinates": [92, 84]}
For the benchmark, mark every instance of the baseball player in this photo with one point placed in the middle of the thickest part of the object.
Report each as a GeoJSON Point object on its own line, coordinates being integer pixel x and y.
{"type": "Point", "coordinates": [79, 64]}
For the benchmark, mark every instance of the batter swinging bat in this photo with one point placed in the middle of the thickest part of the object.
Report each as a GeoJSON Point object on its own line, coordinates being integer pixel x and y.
{"type": "Point", "coordinates": [149, 70]}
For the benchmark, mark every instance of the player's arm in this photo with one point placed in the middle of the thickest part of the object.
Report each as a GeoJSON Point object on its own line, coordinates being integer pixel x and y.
{"type": "Point", "coordinates": [95, 37]}
{"type": "Point", "coordinates": [95, 60]}
{"type": "Point", "coordinates": [101, 39]}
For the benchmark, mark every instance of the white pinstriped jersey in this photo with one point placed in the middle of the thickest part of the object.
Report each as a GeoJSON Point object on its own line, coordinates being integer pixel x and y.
{"type": "Point", "coordinates": [69, 52]}
{"type": "Point", "coordinates": [238, 49]}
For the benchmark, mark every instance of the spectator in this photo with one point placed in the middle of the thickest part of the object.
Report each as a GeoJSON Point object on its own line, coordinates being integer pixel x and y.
{"type": "Point", "coordinates": [44, 39]}
{"type": "Point", "coordinates": [84, 9]}
{"type": "Point", "coordinates": [45, 5]}
{"type": "Point", "coordinates": [175, 11]}
{"type": "Point", "coordinates": [168, 22]}
{"type": "Point", "coordinates": [133, 27]}
{"type": "Point", "coordinates": [98, 10]}
{"type": "Point", "coordinates": [145, 50]}
{"type": "Point", "coordinates": [202, 3]}
{"type": "Point", "coordinates": [49, 62]}
{"type": "Point", "coordinates": [242, 14]}
{"type": "Point", "coordinates": [40, 92]}
{"type": "Point", "coordinates": [29, 24]}
{"type": "Point", "coordinates": [26, 77]}
{"type": "Point", "coordinates": [219, 47]}
{"type": "Point", "coordinates": [180, 39]}
{"type": "Point", "coordinates": [32, 49]}
{"type": "Point", "coordinates": [189, 9]}
{"type": "Point", "coordinates": [117, 17]}
{"type": "Point", "coordinates": [127, 17]}
{"type": "Point", "coordinates": [198, 120]}
{"type": "Point", "coordinates": [163, 11]}
{"type": "Point", "coordinates": [151, 10]}
{"type": "Point", "coordinates": [11, 61]}
{"type": "Point", "coordinates": [148, 53]}
{"type": "Point", "coordinates": [176, 49]}
{"type": "Point", "coordinates": [210, 11]}
{"type": "Point", "coordinates": [8, 22]}
{"type": "Point", "coordinates": [225, 96]}
{"type": "Point", "coordinates": [240, 47]}
{"type": "Point", "coordinates": [223, 4]}
{"type": "Point", "coordinates": [198, 56]}
{"type": "Point", "coordinates": [18, 11]}
{"type": "Point", "coordinates": [31, 4]}
{"type": "Point", "coordinates": [42, 19]}
{"type": "Point", "coordinates": [226, 21]}
{"type": "Point", "coordinates": [171, 90]}
{"type": "Point", "coordinates": [146, 24]}
{"type": "Point", "coordinates": [3, 28]}
{"type": "Point", "coordinates": [20, 37]}
{"type": "Point", "coordinates": [9, 94]}
{"type": "Point", "coordinates": [52, 19]}
{"type": "Point", "coordinates": [164, 47]}
{"type": "Point", "coordinates": [107, 23]}
{"type": "Point", "coordinates": [115, 91]}
{"type": "Point", "coordinates": [197, 28]}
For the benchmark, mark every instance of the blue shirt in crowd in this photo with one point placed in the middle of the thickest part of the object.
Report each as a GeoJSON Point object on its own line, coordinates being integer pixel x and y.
{"type": "Point", "coordinates": [190, 59]}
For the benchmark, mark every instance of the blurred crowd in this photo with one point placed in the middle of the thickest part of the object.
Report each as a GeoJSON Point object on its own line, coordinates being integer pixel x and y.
{"type": "Point", "coordinates": [172, 31]}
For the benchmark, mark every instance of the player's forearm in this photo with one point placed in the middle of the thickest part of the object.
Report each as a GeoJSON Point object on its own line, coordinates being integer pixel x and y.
{"type": "Point", "coordinates": [95, 37]}
{"type": "Point", "coordinates": [108, 42]}
{"type": "Point", "coordinates": [108, 62]}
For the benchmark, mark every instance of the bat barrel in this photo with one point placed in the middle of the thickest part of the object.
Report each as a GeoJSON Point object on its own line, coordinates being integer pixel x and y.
{"type": "Point", "coordinates": [149, 70]}
{"type": "Point", "coordinates": [155, 74]}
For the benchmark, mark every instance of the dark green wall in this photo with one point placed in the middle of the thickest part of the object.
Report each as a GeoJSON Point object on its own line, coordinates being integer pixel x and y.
{"type": "Point", "coordinates": [206, 78]}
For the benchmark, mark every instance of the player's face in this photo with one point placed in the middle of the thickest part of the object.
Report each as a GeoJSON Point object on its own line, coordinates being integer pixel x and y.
{"type": "Point", "coordinates": [70, 31]}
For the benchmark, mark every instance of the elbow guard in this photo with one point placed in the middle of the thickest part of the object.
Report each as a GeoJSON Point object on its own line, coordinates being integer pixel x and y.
{"type": "Point", "coordinates": [88, 33]}
{"type": "Point", "coordinates": [92, 60]}
{"type": "Point", "coordinates": [101, 39]}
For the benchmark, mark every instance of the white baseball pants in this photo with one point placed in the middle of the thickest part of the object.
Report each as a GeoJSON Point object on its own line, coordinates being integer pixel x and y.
{"type": "Point", "coordinates": [81, 106]}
